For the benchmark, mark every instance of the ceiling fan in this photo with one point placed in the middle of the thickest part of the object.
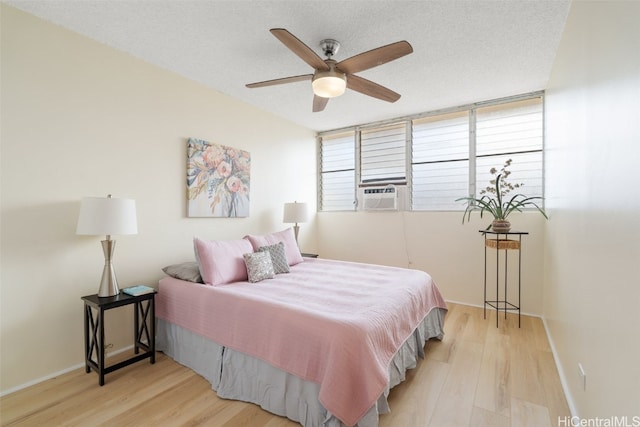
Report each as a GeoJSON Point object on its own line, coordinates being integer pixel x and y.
{"type": "Point", "coordinates": [331, 78]}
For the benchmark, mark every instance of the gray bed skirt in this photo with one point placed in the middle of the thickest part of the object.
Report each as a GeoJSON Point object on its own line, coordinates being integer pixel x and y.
{"type": "Point", "coordinates": [234, 375]}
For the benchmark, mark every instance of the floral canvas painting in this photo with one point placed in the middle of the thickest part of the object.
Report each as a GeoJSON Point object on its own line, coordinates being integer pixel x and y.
{"type": "Point", "coordinates": [217, 180]}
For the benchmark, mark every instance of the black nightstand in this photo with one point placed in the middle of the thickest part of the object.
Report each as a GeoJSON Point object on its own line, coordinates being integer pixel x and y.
{"type": "Point", "coordinates": [144, 329]}
{"type": "Point", "coordinates": [309, 255]}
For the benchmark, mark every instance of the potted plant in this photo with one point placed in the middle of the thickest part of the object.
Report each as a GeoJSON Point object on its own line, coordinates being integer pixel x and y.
{"type": "Point", "coordinates": [497, 201]}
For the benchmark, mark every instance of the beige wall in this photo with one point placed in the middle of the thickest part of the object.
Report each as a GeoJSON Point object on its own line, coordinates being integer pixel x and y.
{"type": "Point", "coordinates": [592, 290]}
{"type": "Point", "coordinates": [438, 243]}
{"type": "Point", "coordinates": [81, 119]}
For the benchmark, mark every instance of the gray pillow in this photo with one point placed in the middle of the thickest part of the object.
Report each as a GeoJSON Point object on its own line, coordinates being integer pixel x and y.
{"type": "Point", "coordinates": [259, 266]}
{"type": "Point", "coordinates": [278, 257]}
{"type": "Point", "coordinates": [188, 271]}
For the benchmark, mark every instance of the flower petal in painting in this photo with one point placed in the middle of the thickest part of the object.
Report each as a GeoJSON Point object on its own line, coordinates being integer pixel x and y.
{"type": "Point", "coordinates": [224, 169]}
{"type": "Point", "coordinates": [213, 156]}
{"type": "Point", "coordinates": [234, 184]}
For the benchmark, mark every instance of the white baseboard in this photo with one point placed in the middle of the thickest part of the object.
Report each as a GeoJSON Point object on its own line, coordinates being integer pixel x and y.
{"type": "Point", "coordinates": [55, 374]}
{"type": "Point", "coordinates": [561, 374]}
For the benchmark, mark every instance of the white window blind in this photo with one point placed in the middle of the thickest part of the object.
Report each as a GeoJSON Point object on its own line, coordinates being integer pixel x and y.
{"type": "Point", "coordinates": [511, 131]}
{"type": "Point", "coordinates": [382, 154]}
{"type": "Point", "coordinates": [450, 155]}
{"type": "Point", "coordinates": [338, 176]}
{"type": "Point", "coordinates": [440, 161]}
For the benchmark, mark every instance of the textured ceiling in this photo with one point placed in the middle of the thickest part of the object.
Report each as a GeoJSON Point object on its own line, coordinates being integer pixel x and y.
{"type": "Point", "coordinates": [464, 51]}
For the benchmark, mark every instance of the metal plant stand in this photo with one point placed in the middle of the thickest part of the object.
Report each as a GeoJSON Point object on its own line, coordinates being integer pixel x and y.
{"type": "Point", "coordinates": [493, 240]}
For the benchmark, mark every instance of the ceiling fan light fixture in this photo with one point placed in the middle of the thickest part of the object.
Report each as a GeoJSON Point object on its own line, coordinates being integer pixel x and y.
{"type": "Point", "coordinates": [329, 79]}
{"type": "Point", "coordinates": [329, 84]}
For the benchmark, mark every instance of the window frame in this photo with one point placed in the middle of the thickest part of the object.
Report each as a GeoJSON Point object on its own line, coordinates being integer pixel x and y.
{"type": "Point", "coordinates": [408, 120]}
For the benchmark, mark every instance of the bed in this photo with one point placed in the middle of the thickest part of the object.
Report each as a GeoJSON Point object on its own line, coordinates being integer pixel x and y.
{"type": "Point", "coordinates": [322, 343]}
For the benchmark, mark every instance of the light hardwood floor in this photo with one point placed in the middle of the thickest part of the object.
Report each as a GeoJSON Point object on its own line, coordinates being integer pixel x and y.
{"type": "Point", "coordinates": [478, 375]}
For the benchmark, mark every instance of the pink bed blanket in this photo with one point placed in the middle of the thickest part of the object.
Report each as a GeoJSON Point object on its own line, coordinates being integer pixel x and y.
{"type": "Point", "coordinates": [331, 322]}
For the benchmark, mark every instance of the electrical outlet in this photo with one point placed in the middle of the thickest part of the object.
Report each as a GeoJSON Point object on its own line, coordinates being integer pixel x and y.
{"type": "Point", "coordinates": [583, 376]}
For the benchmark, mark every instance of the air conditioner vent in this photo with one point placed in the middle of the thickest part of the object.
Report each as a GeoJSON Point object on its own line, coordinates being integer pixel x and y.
{"type": "Point", "coordinates": [381, 198]}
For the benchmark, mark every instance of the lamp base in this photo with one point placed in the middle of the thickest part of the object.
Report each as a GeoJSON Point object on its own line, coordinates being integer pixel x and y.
{"type": "Point", "coordinates": [108, 283]}
{"type": "Point", "coordinates": [296, 228]}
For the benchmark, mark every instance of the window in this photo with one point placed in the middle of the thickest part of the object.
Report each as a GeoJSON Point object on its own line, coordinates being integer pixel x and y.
{"type": "Point", "coordinates": [440, 161]}
{"type": "Point", "coordinates": [338, 174]}
{"type": "Point", "coordinates": [440, 156]}
{"type": "Point", "coordinates": [510, 131]}
{"type": "Point", "coordinates": [382, 154]}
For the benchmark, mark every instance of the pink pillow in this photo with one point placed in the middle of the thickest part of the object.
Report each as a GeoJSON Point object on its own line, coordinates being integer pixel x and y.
{"type": "Point", "coordinates": [221, 262]}
{"type": "Point", "coordinates": [286, 237]}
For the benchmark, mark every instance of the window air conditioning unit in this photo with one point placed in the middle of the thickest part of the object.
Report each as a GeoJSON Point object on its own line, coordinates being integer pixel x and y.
{"type": "Point", "coordinates": [383, 198]}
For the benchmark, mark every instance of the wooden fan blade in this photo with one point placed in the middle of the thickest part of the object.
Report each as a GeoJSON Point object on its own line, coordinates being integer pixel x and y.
{"type": "Point", "coordinates": [281, 81]}
{"type": "Point", "coordinates": [375, 57]}
{"type": "Point", "coordinates": [300, 49]}
{"type": "Point", "coordinates": [319, 103]}
{"type": "Point", "coordinates": [370, 88]}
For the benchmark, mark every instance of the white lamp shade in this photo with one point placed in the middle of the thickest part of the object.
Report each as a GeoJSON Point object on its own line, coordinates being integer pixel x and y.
{"type": "Point", "coordinates": [107, 215]}
{"type": "Point", "coordinates": [329, 85]}
{"type": "Point", "coordinates": [295, 212]}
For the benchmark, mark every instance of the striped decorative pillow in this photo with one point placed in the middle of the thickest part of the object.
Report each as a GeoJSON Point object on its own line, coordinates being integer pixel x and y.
{"type": "Point", "coordinates": [278, 257]}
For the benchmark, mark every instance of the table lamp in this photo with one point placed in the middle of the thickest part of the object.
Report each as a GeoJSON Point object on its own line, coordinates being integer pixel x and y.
{"type": "Point", "coordinates": [108, 216]}
{"type": "Point", "coordinates": [294, 213]}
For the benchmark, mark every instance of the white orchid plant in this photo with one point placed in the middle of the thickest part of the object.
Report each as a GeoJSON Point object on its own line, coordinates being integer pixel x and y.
{"type": "Point", "coordinates": [496, 200]}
